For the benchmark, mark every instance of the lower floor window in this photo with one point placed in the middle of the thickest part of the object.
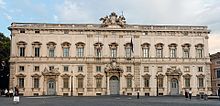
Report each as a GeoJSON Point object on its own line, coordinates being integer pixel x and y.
{"type": "Point", "coordinates": [21, 82]}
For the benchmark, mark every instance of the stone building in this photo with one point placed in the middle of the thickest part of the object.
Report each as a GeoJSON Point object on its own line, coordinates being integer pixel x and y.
{"type": "Point", "coordinates": [215, 72]}
{"type": "Point", "coordinates": [111, 58]}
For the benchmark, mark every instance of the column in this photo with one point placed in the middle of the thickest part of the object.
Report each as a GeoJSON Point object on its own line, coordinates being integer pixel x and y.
{"type": "Point", "coordinates": [89, 80]}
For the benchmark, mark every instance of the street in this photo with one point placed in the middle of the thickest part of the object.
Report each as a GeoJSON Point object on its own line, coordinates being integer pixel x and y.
{"type": "Point", "coordinates": [108, 101]}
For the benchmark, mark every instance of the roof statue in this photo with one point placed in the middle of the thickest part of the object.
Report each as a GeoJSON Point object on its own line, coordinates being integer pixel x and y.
{"type": "Point", "coordinates": [113, 20]}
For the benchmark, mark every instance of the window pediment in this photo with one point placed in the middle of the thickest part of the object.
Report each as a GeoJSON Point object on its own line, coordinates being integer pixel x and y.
{"type": "Point", "coordinates": [65, 44]}
{"type": "Point", "coordinates": [51, 44]}
{"type": "Point", "coordinates": [160, 76]}
{"type": "Point", "coordinates": [146, 75]}
{"type": "Point", "coordinates": [20, 75]}
{"type": "Point", "coordinates": [21, 43]}
{"type": "Point", "coordinates": [65, 75]}
{"type": "Point", "coordinates": [36, 75]}
{"type": "Point", "coordinates": [187, 75]}
{"type": "Point", "coordinates": [145, 45]}
{"type": "Point", "coordinates": [200, 76]}
{"type": "Point", "coordinates": [129, 76]}
{"type": "Point", "coordinates": [80, 44]}
{"type": "Point", "coordinates": [98, 76]}
{"type": "Point", "coordinates": [36, 43]}
{"type": "Point", "coordinates": [80, 76]}
{"type": "Point", "coordinates": [113, 45]}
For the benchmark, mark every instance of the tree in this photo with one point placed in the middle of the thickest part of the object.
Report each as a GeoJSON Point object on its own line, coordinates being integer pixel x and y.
{"type": "Point", "coordinates": [4, 61]}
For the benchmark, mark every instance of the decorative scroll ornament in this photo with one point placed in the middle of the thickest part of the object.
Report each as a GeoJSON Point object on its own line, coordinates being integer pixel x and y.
{"type": "Point", "coordinates": [113, 21]}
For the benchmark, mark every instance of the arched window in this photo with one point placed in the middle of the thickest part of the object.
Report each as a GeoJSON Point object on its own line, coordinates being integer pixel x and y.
{"type": "Point", "coordinates": [98, 49]}
{"type": "Point", "coordinates": [159, 50]}
{"type": "Point", "coordinates": [113, 50]}
{"type": "Point", "coordinates": [51, 49]}
{"type": "Point", "coordinates": [199, 50]}
{"type": "Point", "coordinates": [36, 47]}
{"type": "Point", "coordinates": [80, 49]}
{"type": "Point", "coordinates": [173, 50]}
{"type": "Point", "coordinates": [21, 48]}
{"type": "Point", "coordinates": [66, 49]}
{"type": "Point", "coordinates": [145, 50]}
{"type": "Point", "coordinates": [186, 50]}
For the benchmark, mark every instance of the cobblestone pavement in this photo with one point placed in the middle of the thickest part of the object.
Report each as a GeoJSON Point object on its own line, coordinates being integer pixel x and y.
{"type": "Point", "coordinates": [107, 101]}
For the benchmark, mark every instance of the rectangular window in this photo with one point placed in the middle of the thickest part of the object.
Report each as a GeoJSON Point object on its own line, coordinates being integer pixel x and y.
{"type": "Point", "coordinates": [22, 31]}
{"type": "Point", "coordinates": [36, 68]}
{"type": "Point", "coordinates": [21, 68]}
{"type": "Point", "coordinates": [146, 82]}
{"type": "Point", "coordinates": [128, 52]}
{"type": "Point", "coordinates": [160, 82]}
{"type": "Point", "coordinates": [159, 53]}
{"type": "Point", "coordinates": [98, 68]}
{"type": "Point", "coordinates": [146, 69]}
{"type": "Point", "coordinates": [21, 51]}
{"type": "Point", "coordinates": [98, 52]}
{"type": "Point", "coordinates": [145, 52]}
{"type": "Point", "coordinates": [98, 82]}
{"type": "Point", "coordinates": [218, 73]}
{"type": "Point", "coordinates": [186, 54]}
{"type": "Point", "coordinates": [51, 67]}
{"type": "Point", "coordinates": [113, 53]}
{"type": "Point", "coordinates": [80, 82]}
{"type": "Point", "coordinates": [65, 68]}
{"type": "Point", "coordinates": [187, 82]}
{"type": "Point", "coordinates": [65, 52]}
{"type": "Point", "coordinates": [172, 53]}
{"type": "Point", "coordinates": [199, 53]}
{"type": "Point", "coordinates": [200, 69]}
{"type": "Point", "coordinates": [21, 82]}
{"type": "Point", "coordinates": [66, 32]}
{"type": "Point", "coordinates": [37, 31]}
{"type": "Point", "coordinates": [65, 82]}
{"type": "Point", "coordinates": [160, 69]}
{"type": "Point", "coordinates": [128, 68]}
{"type": "Point", "coordinates": [36, 82]}
{"type": "Point", "coordinates": [80, 68]}
{"type": "Point", "coordinates": [129, 82]}
{"type": "Point", "coordinates": [186, 69]}
{"type": "Point", "coordinates": [80, 52]}
{"type": "Point", "coordinates": [37, 52]}
{"type": "Point", "coordinates": [201, 84]}
{"type": "Point", "coordinates": [51, 52]}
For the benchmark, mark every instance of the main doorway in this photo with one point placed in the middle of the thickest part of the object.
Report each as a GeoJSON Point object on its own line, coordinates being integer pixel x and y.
{"type": "Point", "coordinates": [174, 87]}
{"type": "Point", "coordinates": [51, 87]}
{"type": "Point", "coordinates": [114, 85]}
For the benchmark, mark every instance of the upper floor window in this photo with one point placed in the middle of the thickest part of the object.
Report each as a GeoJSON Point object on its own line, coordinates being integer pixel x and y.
{"type": "Point", "coordinates": [160, 69]}
{"type": "Point", "coordinates": [22, 31]}
{"type": "Point", "coordinates": [98, 49]}
{"type": "Point", "coordinates": [145, 50]}
{"type": "Point", "coordinates": [186, 69]}
{"type": "Point", "coordinates": [173, 50]}
{"type": "Point", "coordinates": [37, 31]}
{"type": "Point", "coordinates": [128, 68]}
{"type": "Point", "coordinates": [199, 50]}
{"type": "Point", "coordinates": [51, 49]}
{"type": "Point", "coordinates": [65, 68]}
{"type": "Point", "coordinates": [36, 46]}
{"type": "Point", "coordinates": [36, 68]}
{"type": "Point", "coordinates": [128, 50]}
{"type": "Point", "coordinates": [146, 69]}
{"type": "Point", "coordinates": [113, 49]}
{"type": "Point", "coordinates": [21, 68]}
{"type": "Point", "coordinates": [200, 69]}
{"type": "Point", "coordinates": [80, 49]}
{"type": "Point", "coordinates": [98, 68]}
{"type": "Point", "coordinates": [21, 47]}
{"type": "Point", "coordinates": [186, 50]}
{"type": "Point", "coordinates": [80, 68]}
{"type": "Point", "coordinates": [51, 67]}
{"type": "Point", "coordinates": [159, 50]}
{"type": "Point", "coordinates": [66, 47]}
{"type": "Point", "coordinates": [218, 73]}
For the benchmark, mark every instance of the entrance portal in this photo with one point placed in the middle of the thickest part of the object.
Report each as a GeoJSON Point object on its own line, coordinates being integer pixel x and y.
{"type": "Point", "coordinates": [51, 87]}
{"type": "Point", "coordinates": [114, 85]}
{"type": "Point", "coordinates": [174, 87]}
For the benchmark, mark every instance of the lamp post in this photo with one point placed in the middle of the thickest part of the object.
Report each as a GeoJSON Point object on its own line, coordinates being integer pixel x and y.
{"type": "Point", "coordinates": [157, 84]}
{"type": "Point", "coordinates": [71, 90]}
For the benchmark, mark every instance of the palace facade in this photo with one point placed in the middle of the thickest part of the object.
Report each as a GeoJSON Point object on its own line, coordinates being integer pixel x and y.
{"type": "Point", "coordinates": [215, 73]}
{"type": "Point", "coordinates": [111, 58]}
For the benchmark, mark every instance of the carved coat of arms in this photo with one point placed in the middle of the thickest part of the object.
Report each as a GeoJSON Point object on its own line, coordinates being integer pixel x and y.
{"type": "Point", "coordinates": [113, 19]}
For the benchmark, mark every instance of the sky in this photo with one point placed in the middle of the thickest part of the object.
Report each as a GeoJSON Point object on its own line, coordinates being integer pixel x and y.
{"type": "Point", "coordinates": [145, 12]}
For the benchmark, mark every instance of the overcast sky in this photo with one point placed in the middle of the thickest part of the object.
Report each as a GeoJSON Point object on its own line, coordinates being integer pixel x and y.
{"type": "Point", "coordinates": [172, 12]}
